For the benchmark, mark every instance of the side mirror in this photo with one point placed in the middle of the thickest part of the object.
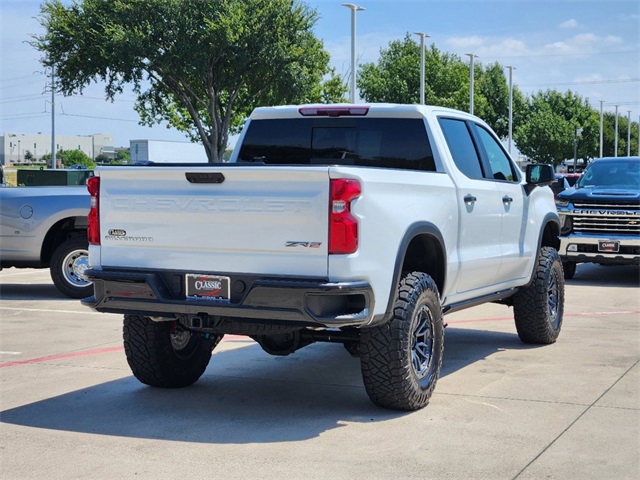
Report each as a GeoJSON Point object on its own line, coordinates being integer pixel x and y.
{"type": "Point", "coordinates": [539, 175]}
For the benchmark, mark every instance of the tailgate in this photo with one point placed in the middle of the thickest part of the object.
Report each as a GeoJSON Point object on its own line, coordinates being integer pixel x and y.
{"type": "Point", "coordinates": [259, 220]}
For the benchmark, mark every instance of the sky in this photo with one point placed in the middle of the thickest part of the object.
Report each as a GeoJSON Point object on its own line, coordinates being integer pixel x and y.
{"type": "Point", "coordinates": [591, 47]}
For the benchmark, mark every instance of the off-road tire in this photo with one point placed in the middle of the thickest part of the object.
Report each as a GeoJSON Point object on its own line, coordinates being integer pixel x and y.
{"type": "Point", "coordinates": [160, 361]}
{"type": "Point", "coordinates": [68, 263]}
{"type": "Point", "coordinates": [400, 372]}
{"type": "Point", "coordinates": [538, 308]}
{"type": "Point", "coordinates": [569, 269]}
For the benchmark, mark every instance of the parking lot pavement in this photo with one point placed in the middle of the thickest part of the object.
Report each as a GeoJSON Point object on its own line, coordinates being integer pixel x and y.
{"type": "Point", "coordinates": [69, 407]}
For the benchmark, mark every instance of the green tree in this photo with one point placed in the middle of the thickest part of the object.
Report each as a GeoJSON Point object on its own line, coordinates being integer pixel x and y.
{"type": "Point", "coordinates": [123, 156]}
{"type": "Point", "coordinates": [491, 102]}
{"type": "Point", "coordinates": [609, 135]}
{"type": "Point", "coordinates": [75, 157]}
{"type": "Point", "coordinates": [28, 155]}
{"type": "Point", "coordinates": [102, 158]}
{"type": "Point", "coordinates": [547, 128]}
{"type": "Point", "coordinates": [396, 78]}
{"type": "Point", "coordinates": [200, 65]}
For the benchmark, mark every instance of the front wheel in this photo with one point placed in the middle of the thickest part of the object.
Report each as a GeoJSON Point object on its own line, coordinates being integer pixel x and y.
{"type": "Point", "coordinates": [569, 269]}
{"type": "Point", "coordinates": [67, 266]}
{"type": "Point", "coordinates": [538, 308]}
{"type": "Point", "coordinates": [161, 354]}
{"type": "Point", "coordinates": [401, 360]}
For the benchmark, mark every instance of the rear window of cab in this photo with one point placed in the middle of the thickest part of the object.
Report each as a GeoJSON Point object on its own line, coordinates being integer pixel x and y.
{"type": "Point", "coordinates": [370, 142]}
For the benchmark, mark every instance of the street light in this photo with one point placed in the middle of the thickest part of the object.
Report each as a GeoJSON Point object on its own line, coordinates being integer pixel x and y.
{"type": "Point", "coordinates": [615, 144]}
{"type": "Point", "coordinates": [511, 69]}
{"type": "Point", "coordinates": [354, 8]}
{"type": "Point", "coordinates": [628, 133]}
{"type": "Point", "coordinates": [471, 57]}
{"type": "Point", "coordinates": [422, 37]}
{"type": "Point", "coordinates": [575, 148]}
{"type": "Point", "coordinates": [53, 118]}
{"type": "Point", "coordinates": [601, 125]}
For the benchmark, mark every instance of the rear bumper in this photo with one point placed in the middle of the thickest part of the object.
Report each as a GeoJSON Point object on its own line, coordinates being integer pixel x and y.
{"type": "Point", "coordinates": [586, 249]}
{"type": "Point", "coordinates": [304, 302]}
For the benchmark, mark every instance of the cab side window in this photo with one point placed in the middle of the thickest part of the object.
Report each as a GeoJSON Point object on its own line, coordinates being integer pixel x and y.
{"type": "Point", "coordinates": [501, 167]}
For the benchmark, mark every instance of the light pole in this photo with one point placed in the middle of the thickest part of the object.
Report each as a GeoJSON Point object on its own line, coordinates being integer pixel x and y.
{"type": "Point", "coordinates": [53, 119]}
{"type": "Point", "coordinates": [511, 69]}
{"type": "Point", "coordinates": [471, 57]}
{"type": "Point", "coordinates": [354, 8]}
{"type": "Point", "coordinates": [628, 133]}
{"type": "Point", "coordinates": [422, 37]}
{"type": "Point", "coordinates": [575, 148]}
{"type": "Point", "coordinates": [615, 143]}
{"type": "Point", "coordinates": [601, 125]}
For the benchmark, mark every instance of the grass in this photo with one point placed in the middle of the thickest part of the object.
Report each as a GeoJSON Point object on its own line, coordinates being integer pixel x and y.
{"type": "Point", "coordinates": [11, 177]}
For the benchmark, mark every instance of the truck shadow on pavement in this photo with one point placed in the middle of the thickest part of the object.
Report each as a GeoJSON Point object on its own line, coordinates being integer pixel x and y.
{"type": "Point", "coordinates": [38, 291]}
{"type": "Point", "coordinates": [245, 396]}
{"type": "Point", "coordinates": [592, 275]}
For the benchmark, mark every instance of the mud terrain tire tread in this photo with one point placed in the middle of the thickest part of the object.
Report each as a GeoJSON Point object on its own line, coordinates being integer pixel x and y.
{"type": "Point", "coordinates": [153, 359]}
{"type": "Point", "coordinates": [389, 376]}
{"type": "Point", "coordinates": [531, 305]}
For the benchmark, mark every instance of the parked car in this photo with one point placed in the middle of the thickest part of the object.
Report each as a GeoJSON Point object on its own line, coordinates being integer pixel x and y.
{"type": "Point", "coordinates": [601, 215]}
{"type": "Point", "coordinates": [77, 166]}
{"type": "Point", "coordinates": [46, 227]}
{"type": "Point", "coordinates": [571, 178]}
{"type": "Point", "coordinates": [560, 184]}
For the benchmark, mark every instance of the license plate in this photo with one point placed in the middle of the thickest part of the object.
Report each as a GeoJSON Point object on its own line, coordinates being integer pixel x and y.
{"type": "Point", "coordinates": [207, 287]}
{"type": "Point", "coordinates": [606, 246]}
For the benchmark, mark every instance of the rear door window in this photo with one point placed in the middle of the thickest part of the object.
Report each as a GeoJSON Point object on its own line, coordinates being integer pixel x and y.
{"type": "Point", "coordinates": [461, 146]}
{"type": "Point", "coordinates": [368, 142]}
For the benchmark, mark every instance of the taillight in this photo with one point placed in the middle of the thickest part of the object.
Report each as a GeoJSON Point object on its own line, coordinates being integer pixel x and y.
{"type": "Point", "coordinates": [343, 226]}
{"type": "Point", "coordinates": [93, 220]}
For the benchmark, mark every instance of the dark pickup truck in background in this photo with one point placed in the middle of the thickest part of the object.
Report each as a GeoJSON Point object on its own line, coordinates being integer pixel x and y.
{"type": "Point", "coordinates": [600, 215]}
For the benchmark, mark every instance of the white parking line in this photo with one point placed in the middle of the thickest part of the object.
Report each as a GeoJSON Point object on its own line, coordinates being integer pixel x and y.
{"type": "Point", "coordinates": [49, 310]}
{"type": "Point", "coordinates": [22, 272]}
{"type": "Point", "coordinates": [10, 353]}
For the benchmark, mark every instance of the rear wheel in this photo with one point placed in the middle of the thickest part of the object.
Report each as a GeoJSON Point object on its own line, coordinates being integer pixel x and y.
{"type": "Point", "coordinates": [67, 266]}
{"type": "Point", "coordinates": [538, 308]}
{"type": "Point", "coordinates": [162, 354]}
{"type": "Point", "coordinates": [401, 360]}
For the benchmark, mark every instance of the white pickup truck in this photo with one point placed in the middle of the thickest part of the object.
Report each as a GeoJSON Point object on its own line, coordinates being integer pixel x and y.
{"type": "Point", "coordinates": [356, 224]}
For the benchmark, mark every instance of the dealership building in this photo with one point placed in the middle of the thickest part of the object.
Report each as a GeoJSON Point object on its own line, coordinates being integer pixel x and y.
{"type": "Point", "coordinates": [14, 146]}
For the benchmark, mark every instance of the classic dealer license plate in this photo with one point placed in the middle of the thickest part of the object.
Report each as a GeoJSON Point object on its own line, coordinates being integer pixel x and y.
{"type": "Point", "coordinates": [207, 287]}
{"type": "Point", "coordinates": [606, 246]}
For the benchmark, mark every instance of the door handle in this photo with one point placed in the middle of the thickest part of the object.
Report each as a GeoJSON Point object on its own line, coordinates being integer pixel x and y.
{"type": "Point", "coordinates": [507, 199]}
{"type": "Point", "coordinates": [470, 199]}
{"type": "Point", "coordinates": [202, 177]}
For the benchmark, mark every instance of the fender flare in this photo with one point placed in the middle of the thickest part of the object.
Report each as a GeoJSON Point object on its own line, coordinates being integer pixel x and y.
{"type": "Point", "coordinates": [550, 217]}
{"type": "Point", "coordinates": [414, 230]}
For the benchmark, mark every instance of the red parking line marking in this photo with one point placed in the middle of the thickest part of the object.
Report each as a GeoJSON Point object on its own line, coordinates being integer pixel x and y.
{"type": "Point", "coordinates": [244, 338]}
{"type": "Point", "coordinates": [90, 352]}
{"type": "Point", "coordinates": [61, 355]}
